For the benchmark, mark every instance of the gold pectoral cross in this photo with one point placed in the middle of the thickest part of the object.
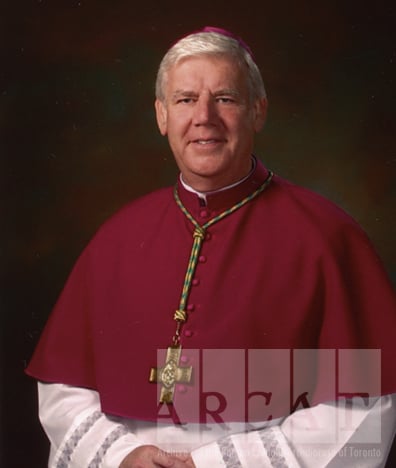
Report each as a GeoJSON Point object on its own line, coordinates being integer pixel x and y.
{"type": "Point", "coordinates": [170, 374]}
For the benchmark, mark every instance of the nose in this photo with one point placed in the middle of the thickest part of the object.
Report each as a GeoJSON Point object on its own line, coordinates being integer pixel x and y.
{"type": "Point", "coordinates": [205, 111]}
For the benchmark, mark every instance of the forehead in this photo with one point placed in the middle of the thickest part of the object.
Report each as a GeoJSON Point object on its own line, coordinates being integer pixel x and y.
{"type": "Point", "coordinates": [206, 71]}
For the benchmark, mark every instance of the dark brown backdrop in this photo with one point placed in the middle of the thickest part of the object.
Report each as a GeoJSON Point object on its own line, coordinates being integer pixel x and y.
{"type": "Point", "coordinates": [78, 137]}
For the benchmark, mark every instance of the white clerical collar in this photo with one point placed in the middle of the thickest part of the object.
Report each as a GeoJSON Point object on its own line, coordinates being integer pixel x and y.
{"type": "Point", "coordinates": [203, 195]}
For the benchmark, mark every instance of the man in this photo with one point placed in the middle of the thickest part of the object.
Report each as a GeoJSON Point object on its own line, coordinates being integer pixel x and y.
{"type": "Point", "coordinates": [266, 305]}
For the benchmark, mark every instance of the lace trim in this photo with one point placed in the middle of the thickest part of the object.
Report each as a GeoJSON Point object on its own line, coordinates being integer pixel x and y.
{"type": "Point", "coordinates": [229, 454]}
{"type": "Point", "coordinates": [273, 448]}
{"type": "Point", "coordinates": [118, 432]}
{"type": "Point", "coordinates": [74, 439]}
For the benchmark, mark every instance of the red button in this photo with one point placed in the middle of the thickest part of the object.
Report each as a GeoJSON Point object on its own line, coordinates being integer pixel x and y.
{"type": "Point", "coordinates": [204, 213]}
{"type": "Point", "coordinates": [195, 282]}
{"type": "Point", "coordinates": [190, 307]}
{"type": "Point", "coordinates": [202, 258]}
{"type": "Point", "coordinates": [188, 333]}
{"type": "Point", "coordinates": [184, 359]}
{"type": "Point", "coordinates": [208, 236]}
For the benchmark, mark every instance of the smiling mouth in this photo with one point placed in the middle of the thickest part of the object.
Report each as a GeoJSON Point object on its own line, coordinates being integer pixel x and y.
{"type": "Point", "coordinates": [206, 142]}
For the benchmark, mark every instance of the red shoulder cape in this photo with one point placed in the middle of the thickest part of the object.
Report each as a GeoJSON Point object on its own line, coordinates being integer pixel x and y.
{"type": "Point", "coordinates": [288, 271]}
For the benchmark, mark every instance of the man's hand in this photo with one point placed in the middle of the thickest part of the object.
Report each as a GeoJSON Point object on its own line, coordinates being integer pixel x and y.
{"type": "Point", "coordinates": [149, 456]}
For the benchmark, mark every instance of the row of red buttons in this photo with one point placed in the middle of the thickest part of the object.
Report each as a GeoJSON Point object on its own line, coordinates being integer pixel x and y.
{"type": "Point", "coordinates": [195, 282]}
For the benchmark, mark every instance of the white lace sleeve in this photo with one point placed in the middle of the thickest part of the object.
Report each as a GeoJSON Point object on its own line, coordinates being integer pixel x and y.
{"type": "Point", "coordinates": [358, 433]}
{"type": "Point", "coordinates": [323, 436]}
{"type": "Point", "coordinates": [79, 433]}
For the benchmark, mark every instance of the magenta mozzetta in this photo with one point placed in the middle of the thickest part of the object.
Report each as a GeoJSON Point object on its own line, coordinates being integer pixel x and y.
{"type": "Point", "coordinates": [286, 271]}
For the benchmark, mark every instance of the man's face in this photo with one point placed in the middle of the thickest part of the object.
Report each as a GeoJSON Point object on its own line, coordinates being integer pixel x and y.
{"type": "Point", "coordinates": [209, 120]}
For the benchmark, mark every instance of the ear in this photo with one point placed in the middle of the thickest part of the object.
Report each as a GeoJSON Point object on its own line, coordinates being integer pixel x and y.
{"type": "Point", "coordinates": [260, 113]}
{"type": "Point", "coordinates": [162, 117]}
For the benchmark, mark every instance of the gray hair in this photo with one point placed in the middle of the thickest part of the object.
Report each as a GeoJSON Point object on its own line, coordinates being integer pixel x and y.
{"type": "Point", "coordinates": [211, 43]}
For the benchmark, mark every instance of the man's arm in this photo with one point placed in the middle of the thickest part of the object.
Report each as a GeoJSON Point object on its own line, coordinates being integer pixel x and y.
{"type": "Point", "coordinates": [323, 436]}
{"type": "Point", "coordinates": [82, 436]}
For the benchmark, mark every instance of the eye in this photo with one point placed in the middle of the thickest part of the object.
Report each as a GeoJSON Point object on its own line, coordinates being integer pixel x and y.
{"type": "Point", "coordinates": [185, 100]}
{"type": "Point", "coordinates": [225, 99]}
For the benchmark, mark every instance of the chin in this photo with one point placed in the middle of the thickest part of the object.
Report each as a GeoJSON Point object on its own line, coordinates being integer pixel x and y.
{"type": "Point", "coordinates": [207, 172]}
{"type": "Point", "coordinates": [208, 164]}
{"type": "Point", "coordinates": [206, 180]}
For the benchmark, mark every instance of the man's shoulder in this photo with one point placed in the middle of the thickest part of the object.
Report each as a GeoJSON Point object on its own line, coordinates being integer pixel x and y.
{"type": "Point", "coordinates": [306, 210]}
{"type": "Point", "coordinates": [150, 201]}
{"type": "Point", "coordinates": [307, 202]}
{"type": "Point", "coordinates": [137, 214]}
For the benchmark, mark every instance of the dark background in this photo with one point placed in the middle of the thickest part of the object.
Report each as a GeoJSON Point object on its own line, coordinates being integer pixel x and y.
{"type": "Point", "coordinates": [79, 139]}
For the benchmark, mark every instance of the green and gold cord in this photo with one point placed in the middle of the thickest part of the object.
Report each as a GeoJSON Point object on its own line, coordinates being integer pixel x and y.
{"type": "Point", "coordinates": [180, 315]}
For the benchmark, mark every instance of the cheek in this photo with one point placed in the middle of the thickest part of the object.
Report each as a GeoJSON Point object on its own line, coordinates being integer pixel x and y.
{"type": "Point", "coordinates": [241, 130]}
{"type": "Point", "coordinates": [177, 124]}
{"type": "Point", "coordinates": [176, 141]}
{"type": "Point", "coordinates": [239, 122]}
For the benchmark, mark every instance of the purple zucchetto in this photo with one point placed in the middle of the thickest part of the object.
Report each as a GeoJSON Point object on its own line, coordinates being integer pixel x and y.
{"type": "Point", "coordinates": [224, 32]}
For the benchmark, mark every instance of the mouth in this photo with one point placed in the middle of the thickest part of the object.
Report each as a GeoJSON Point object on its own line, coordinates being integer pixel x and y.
{"type": "Point", "coordinates": [206, 141]}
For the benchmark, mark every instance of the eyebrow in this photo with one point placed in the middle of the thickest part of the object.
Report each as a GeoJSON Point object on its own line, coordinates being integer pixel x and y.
{"type": "Point", "coordinates": [221, 92]}
{"type": "Point", "coordinates": [228, 92]}
{"type": "Point", "coordinates": [183, 93]}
